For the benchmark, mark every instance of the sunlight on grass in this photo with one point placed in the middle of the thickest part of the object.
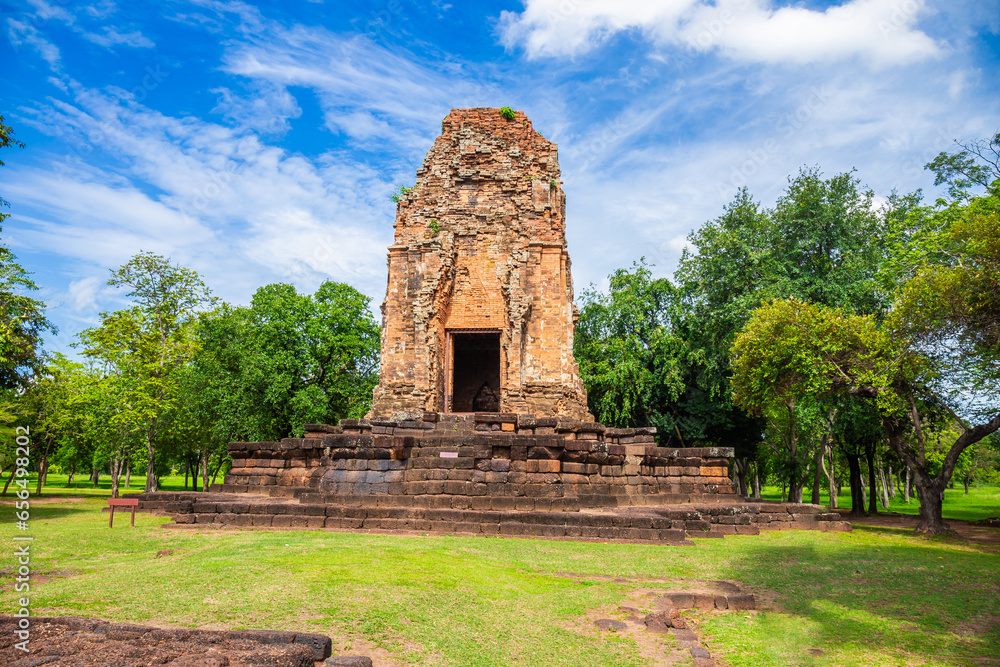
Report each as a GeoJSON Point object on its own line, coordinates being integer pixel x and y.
{"type": "Point", "coordinates": [857, 598]}
{"type": "Point", "coordinates": [982, 502]}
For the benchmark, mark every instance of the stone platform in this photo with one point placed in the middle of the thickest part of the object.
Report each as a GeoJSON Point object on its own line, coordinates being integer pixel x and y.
{"type": "Point", "coordinates": [559, 464]}
{"type": "Point", "coordinates": [484, 474]}
{"type": "Point", "coordinates": [671, 524]}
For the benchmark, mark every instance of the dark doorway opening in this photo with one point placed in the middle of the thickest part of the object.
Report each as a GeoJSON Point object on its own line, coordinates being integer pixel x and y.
{"type": "Point", "coordinates": [476, 375]}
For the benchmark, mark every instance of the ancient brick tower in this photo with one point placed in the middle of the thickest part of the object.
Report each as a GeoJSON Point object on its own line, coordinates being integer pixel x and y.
{"type": "Point", "coordinates": [478, 313]}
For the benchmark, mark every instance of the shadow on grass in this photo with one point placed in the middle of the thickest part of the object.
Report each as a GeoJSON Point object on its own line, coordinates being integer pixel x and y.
{"type": "Point", "coordinates": [905, 599]}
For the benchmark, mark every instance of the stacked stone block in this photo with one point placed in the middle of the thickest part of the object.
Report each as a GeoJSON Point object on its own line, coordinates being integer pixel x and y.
{"type": "Point", "coordinates": [485, 455]}
{"type": "Point", "coordinates": [480, 245]}
{"type": "Point", "coordinates": [488, 516]}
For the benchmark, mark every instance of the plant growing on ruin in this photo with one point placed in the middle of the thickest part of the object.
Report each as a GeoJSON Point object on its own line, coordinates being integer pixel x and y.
{"type": "Point", "coordinates": [507, 113]}
{"type": "Point", "coordinates": [434, 227]}
{"type": "Point", "coordinates": [552, 184]}
{"type": "Point", "coordinates": [400, 192]}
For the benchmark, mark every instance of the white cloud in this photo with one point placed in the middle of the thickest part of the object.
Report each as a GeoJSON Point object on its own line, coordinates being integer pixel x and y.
{"type": "Point", "coordinates": [571, 27]}
{"type": "Point", "coordinates": [879, 31]}
{"type": "Point", "coordinates": [214, 198]}
{"type": "Point", "coordinates": [21, 33]}
{"type": "Point", "coordinates": [83, 294]}
{"type": "Point", "coordinates": [367, 91]}
{"type": "Point", "coordinates": [266, 110]}
{"type": "Point", "coordinates": [111, 37]}
{"type": "Point", "coordinates": [106, 35]}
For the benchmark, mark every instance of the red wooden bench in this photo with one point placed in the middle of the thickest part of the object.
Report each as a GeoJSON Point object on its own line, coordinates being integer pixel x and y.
{"type": "Point", "coordinates": [121, 502]}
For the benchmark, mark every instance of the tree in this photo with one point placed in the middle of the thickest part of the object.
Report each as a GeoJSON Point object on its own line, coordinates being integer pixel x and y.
{"type": "Point", "coordinates": [143, 347]}
{"type": "Point", "coordinates": [858, 431]}
{"type": "Point", "coordinates": [289, 359]}
{"type": "Point", "coordinates": [824, 241]}
{"type": "Point", "coordinates": [626, 349]}
{"type": "Point", "coordinates": [791, 347]}
{"type": "Point", "coordinates": [22, 319]}
{"type": "Point", "coordinates": [977, 164]}
{"type": "Point", "coordinates": [717, 287]}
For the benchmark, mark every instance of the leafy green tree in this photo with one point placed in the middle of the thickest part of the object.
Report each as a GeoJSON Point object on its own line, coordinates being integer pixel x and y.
{"type": "Point", "coordinates": [824, 241]}
{"type": "Point", "coordinates": [977, 164]}
{"type": "Point", "coordinates": [47, 407]}
{"type": "Point", "coordinates": [791, 347]}
{"type": "Point", "coordinates": [717, 286]}
{"type": "Point", "coordinates": [142, 348]}
{"type": "Point", "coordinates": [193, 431]}
{"type": "Point", "coordinates": [627, 351]}
{"type": "Point", "coordinates": [22, 319]}
{"type": "Point", "coordinates": [289, 359]}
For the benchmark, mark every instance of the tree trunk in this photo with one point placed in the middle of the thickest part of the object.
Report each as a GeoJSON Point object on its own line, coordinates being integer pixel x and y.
{"type": "Point", "coordinates": [204, 470]}
{"type": "Point", "coordinates": [966, 482]}
{"type": "Point", "coordinates": [72, 474]}
{"type": "Point", "coordinates": [9, 480]}
{"type": "Point", "coordinates": [116, 473]}
{"type": "Point", "coordinates": [907, 485]}
{"type": "Point", "coordinates": [783, 484]}
{"type": "Point", "coordinates": [187, 470]}
{"type": "Point", "coordinates": [857, 492]}
{"type": "Point", "coordinates": [151, 466]}
{"type": "Point", "coordinates": [128, 473]}
{"type": "Point", "coordinates": [96, 476]}
{"type": "Point", "coordinates": [222, 462]}
{"type": "Point", "coordinates": [885, 487]}
{"type": "Point", "coordinates": [829, 476]}
{"type": "Point", "coordinates": [740, 465]}
{"type": "Point", "coordinates": [930, 491]}
{"type": "Point", "coordinates": [756, 482]}
{"type": "Point", "coordinates": [795, 488]}
{"type": "Point", "coordinates": [43, 466]}
{"type": "Point", "coordinates": [872, 484]}
{"type": "Point", "coordinates": [891, 481]}
{"type": "Point", "coordinates": [818, 472]}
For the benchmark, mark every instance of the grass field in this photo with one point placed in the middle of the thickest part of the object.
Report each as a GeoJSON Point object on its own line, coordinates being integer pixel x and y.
{"type": "Point", "coordinates": [982, 502]}
{"type": "Point", "coordinates": [871, 597]}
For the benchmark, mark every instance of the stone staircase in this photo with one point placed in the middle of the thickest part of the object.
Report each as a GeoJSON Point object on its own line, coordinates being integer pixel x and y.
{"type": "Point", "coordinates": [304, 508]}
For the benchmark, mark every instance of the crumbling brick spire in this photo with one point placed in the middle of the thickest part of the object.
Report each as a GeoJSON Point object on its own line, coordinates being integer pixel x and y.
{"type": "Point", "coordinates": [479, 291]}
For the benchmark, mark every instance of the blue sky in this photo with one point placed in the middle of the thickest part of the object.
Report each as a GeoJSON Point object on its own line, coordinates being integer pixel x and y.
{"type": "Point", "coordinates": [258, 143]}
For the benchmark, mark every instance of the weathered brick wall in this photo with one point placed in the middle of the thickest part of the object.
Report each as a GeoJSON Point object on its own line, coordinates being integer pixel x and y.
{"type": "Point", "coordinates": [498, 261]}
{"type": "Point", "coordinates": [569, 463]}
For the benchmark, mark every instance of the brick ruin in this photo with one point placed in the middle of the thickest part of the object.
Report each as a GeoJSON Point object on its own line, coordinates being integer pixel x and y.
{"type": "Point", "coordinates": [478, 313]}
{"type": "Point", "coordinates": [479, 421]}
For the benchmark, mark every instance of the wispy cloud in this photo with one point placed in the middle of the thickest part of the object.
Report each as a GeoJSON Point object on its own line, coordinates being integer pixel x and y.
{"type": "Point", "coordinates": [22, 33]}
{"type": "Point", "coordinates": [215, 198]}
{"type": "Point", "coordinates": [657, 126]}
{"type": "Point", "coordinates": [91, 21]}
{"type": "Point", "coordinates": [880, 31]}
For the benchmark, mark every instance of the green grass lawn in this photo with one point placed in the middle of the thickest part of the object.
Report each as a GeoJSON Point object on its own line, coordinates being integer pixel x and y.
{"type": "Point", "coordinates": [982, 502]}
{"type": "Point", "coordinates": [56, 485]}
{"type": "Point", "coordinates": [871, 597]}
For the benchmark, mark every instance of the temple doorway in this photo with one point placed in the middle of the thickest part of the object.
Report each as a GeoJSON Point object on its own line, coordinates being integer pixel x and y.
{"type": "Point", "coordinates": [475, 371]}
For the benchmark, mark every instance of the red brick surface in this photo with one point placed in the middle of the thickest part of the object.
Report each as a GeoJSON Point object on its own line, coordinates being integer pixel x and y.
{"type": "Point", "coordinates": [498, 262]}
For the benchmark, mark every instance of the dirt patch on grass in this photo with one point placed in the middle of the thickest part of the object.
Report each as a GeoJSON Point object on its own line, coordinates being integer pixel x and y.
{"type": "Point", "coordinates": [46, 500]}
{"type": "Point", "coordinates": [354, 644]}
{"type": "Point", "coordinates": [660, 649]}
{"type": "Point", "coordinates": [981, 626]}
{"type": "Point", "coordinates": [7, 577]}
